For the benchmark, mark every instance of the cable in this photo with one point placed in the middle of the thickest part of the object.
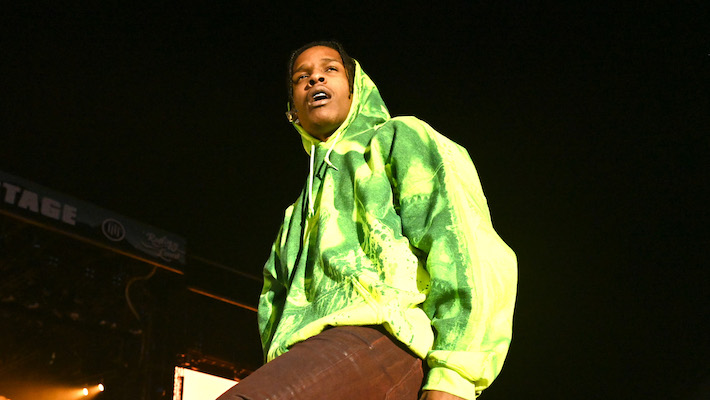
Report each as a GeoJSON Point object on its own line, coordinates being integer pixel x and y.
{"type": "Point", "coordinates": [128, 289]}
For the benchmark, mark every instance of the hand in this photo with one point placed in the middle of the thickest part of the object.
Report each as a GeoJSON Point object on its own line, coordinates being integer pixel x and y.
{"type": "Point", "coordinates": [438, 395]}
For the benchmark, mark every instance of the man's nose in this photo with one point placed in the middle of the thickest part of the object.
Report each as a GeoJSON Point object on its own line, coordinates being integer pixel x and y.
{"type": "Point", "coordinates": [316, 78]}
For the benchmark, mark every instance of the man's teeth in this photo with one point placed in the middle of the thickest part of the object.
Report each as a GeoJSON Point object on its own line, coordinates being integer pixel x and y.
{"type": "Point", "coordinates": [319, 96]}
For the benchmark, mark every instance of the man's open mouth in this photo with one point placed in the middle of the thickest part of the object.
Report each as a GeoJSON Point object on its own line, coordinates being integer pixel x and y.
{"type": "Point", "coordinates": [319, 96]}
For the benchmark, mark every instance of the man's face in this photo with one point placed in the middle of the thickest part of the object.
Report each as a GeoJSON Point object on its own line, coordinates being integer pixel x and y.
{"type": "Point", "coordinates": [321, 92]}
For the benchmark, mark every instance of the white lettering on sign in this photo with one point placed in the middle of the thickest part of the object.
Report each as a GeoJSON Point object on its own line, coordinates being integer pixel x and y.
{"type": "Point", "coordinates": [31, 201]}
{"type": "Point", "coordinates": [167, 249]}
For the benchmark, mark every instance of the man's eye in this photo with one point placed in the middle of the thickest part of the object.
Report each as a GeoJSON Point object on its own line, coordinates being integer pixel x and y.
{"type": "Point", "coordinates": [331, 69]}
{"type": "Point", "coordinates": [300, 77]}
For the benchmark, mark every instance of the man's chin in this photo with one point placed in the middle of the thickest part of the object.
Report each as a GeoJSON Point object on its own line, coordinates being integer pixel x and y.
{"type": "Point", "coordinates": [321, 127]}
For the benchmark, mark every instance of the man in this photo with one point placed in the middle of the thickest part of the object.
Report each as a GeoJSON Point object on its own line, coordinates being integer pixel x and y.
{"type": "Point", "coordinates": [386, 260]}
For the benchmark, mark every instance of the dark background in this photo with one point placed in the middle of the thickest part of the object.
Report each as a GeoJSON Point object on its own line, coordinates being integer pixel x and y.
{"type": "Point", "coordinates": [588, 125]}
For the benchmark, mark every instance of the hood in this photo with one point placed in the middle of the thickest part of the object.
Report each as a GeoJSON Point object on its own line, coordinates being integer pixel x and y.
{"type": "Point", "coordinates": [366, 111]}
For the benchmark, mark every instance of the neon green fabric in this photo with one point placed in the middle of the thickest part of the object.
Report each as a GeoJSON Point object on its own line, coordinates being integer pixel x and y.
{"type": "Point", "coordinates": [392, 228]}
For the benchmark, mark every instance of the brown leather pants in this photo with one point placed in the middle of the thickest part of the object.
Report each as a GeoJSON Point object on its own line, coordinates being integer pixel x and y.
{"type": "Point", "coordinates": [350, 362]}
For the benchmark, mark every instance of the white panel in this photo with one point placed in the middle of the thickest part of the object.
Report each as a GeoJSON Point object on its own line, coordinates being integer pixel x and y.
{"type": "Point", "coordinates": [200, 386]}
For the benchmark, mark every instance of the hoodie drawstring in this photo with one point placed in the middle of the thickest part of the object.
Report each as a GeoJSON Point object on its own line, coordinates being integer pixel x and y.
{"type": "Point", "coordinates": [311, 173]}
{"type": "Point", "coordinates": [310, 181]}
{"type": "Point", "coordinates": [330, 150]}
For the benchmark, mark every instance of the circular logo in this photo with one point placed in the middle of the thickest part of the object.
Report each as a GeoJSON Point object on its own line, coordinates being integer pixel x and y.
{"type": "Point", "coordinates": [113, 230]}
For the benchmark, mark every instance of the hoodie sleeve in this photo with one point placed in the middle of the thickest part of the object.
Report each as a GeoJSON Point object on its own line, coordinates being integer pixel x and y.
{"type": "Point", "coordinates": [273, 293]}
{"type": "Point", "coordinates": [473, 273]}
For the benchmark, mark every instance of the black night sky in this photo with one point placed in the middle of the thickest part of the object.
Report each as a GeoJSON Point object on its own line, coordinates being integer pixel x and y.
{"type": "Point", "coordinates": [588, 125]}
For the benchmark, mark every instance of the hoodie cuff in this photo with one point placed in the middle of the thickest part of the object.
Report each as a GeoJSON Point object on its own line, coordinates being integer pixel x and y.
{"type": "Point", "coordinates": [447, 380]}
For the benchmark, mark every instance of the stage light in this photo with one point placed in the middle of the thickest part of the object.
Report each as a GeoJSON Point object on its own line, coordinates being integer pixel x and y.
{"type": "Point", "coordinates": [101, 387]}
{"type": "Point", "coordinates": [85, 391]}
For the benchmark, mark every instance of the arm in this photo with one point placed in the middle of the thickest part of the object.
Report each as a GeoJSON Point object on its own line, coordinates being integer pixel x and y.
{"type": "Point", "coordinates": [473, 274]}
{"type": "Point", "coordinates": [272, 297]}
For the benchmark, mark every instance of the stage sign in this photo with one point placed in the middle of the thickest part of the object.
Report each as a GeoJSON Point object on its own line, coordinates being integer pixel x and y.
{"type": "Point", "coordinates": [36, 204]}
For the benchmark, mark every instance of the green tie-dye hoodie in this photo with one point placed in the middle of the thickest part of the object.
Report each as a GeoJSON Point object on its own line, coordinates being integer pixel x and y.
{"type": "Point", "coordinates": [392, 228]}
